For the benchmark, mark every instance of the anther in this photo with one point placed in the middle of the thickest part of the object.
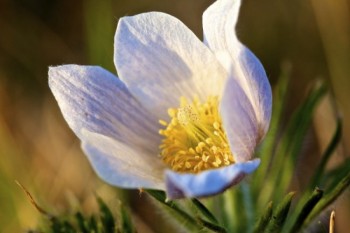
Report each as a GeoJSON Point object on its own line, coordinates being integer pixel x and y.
{"type": "Point", "coordinates": [194, 139]}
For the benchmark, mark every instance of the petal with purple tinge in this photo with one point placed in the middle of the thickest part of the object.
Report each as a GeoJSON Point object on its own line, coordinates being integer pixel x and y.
{"type": "Point", "coordinates": [93, 98]}
{"type": "Point", "coordinates": [159, 58]}
{"type": "Point", "coordinates": [206, 183]}
{"type": "Point", "coordinates": [219, 22]}
{"type": "Point", "coordinates": [121, 165]}
{"type": "Point", "coordinates": [239, 121]}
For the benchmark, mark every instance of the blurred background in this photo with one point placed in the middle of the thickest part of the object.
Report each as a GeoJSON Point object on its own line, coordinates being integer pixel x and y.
{"type": "Point", "coordinates": [38, 149]}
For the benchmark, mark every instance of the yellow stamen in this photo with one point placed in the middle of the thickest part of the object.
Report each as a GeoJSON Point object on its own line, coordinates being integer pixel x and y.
{"type": "Point", "coordinates": [194, 139]}
{"type": "Point", "coordinates": [163, 123]}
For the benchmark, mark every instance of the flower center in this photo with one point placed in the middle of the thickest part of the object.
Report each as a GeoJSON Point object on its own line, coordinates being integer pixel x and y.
{"type": "Point", "coordinates": [195, 140]}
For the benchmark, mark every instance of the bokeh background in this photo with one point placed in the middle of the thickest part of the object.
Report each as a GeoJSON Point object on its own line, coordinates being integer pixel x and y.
{"type": "Point", "coordinates": [38, 149]}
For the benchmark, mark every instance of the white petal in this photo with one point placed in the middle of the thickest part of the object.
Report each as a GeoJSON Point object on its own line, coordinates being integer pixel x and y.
{"type": "Point", "coordinates": [121, 165]}
{"type": "Point", "coordinates": [93, 98]}
{"type": "Point", "coordinates": [239, 121]}
{"type": "Point", "coordinates": [160, 60]}
{"type": "Point", "coordinates": [219, 22]}
{"type": "Point", "coordinates": [208, 182]}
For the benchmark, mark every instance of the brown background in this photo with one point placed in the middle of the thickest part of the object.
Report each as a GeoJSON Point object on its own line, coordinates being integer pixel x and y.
{"type": "Point", "coordinates": [38, 149]}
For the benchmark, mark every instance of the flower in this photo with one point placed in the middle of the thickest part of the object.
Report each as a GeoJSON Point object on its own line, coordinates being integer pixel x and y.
{"type": "Point", "coordinates": [132, 128]}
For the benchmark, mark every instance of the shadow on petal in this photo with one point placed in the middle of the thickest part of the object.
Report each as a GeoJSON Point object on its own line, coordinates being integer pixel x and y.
{"type": "Point", "coordinates": [207, 183]}
{"type": "Point", "coordinates": [122, 166]}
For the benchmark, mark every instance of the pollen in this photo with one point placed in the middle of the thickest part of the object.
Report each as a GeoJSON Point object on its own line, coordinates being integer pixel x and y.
{"type": "Point", "coordinates": [194, 139]}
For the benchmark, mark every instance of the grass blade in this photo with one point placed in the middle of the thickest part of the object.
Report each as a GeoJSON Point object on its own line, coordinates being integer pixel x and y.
{"type": "Point", "coordinates": [264, 219]}
{"type": "Point", "coordinates": [126, 223]}
{"type": "Point", "coordinates": [81, 223]}
{"type": "Point", "coordinates": [204, 211]}
{"type": "Point", "coordinates": [182, 216]}
{"type": "Point", "coordinates": [290, 146]}
{"type": "Point", "coordinates": [330, 197]}
{"type": "Point", "coordinates": [333, 177]}
{"type": "Point", "coordinates": [327, 154]}
{"type": "Point", "coordinates": [267, 147]}
{"type": "Point", "coordinates": [107, 218]}
{"type": "Point", "coordinates": [306, 210]}
{"type": "Point", "coordinates": [213, 227]}
{"type": "Point", "coordinates": [280, 215]}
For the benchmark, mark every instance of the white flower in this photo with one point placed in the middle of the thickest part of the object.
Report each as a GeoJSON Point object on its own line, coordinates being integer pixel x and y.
{"type": "Point", "coordinates": [159, 60]}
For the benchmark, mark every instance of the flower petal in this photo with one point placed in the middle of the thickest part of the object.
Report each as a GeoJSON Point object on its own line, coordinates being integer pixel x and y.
{"type": "Point", "coordinates": [121, 165]}
{"type": "Point", "coordinates": [219, 22]}
{"type": "Point", "coordinates": [208, 182]}
{"type": "Point", "coordinates": [239, 121]}
{"type": "Point", "coordinates": [93, 98]}
{"type": "Point", "coordinates": [160, 60]}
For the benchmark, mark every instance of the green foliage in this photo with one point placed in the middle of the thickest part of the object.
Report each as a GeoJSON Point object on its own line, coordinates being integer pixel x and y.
{"type": "Point", "coordinates": [264, 219]}
{"type": "Point", "coordinates": [126, 225]}
{"type": "Point", "coordinates": [174, 209]}
{"type": "Point", "coordinates": [306, 209]}
{"type": "Point", "coordinates": [204, 210]}
{"type": "Point", "coordinates": [317, 179]}
{"type": "Point", "coordinates": [237, 208]}
{"type": "Point", "coordinates": [107, 219]}
{"type": "Point", "coordinates": [267, 148]}
{"type": "Point", "coordinates": [182, 215]}
{"type": "Point", "coordinates": [288, 149]}
{"type": "Point", "coordinates": [330, 196]}
{"type": "Point", "coordinates": [103, 222]}
{"type": "Point", "coordinates": [280, 153]}
{"type": "Point", "coordinates": [279, 217]}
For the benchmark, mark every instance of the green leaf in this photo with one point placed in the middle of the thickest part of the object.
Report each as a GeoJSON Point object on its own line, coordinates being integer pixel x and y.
{"type": "Point", "coordinates": [248, 205]}
{"type": "Point", "coordinates": [264, 219]}
{"type": "Point", "coordinates": [238, 208]}
{"type": "Point", "coordinates": [126, 223]}
{"type": "Point", "coordinates": [212, 226]}
{"type": "Point", "coordinates": [332, 178]}
{"type": "Point", "coordinates": [67, 227]}
{"type": "Point", "coordinates": [280, 215]}
{"type": "Point", "coordinates": [308, 199]}
{"type": "Point", "coordinates": [329, 197]}
{"type": "Point", "coordinates": [186, 220]}
{"type": "Point", "coordinates": [61, 226]}
{"type": "Point", "coordinates": [81, 222]}
{"type": "Point", "coordinates": [287, 151]}
{"type": "Point", "coordinates": [204, 211]}
{"type": "Point", "coordinates": [55, 225]}
{"type": "Point", "coordinates": [107, 218]}
{"type": "Point", "coordinates": [93, 225]}
{"type": "Point", "coordinates": [327, 154]}
{"type": "Point", "coordinates": [266, 149]}
{"type": "Point", "coordinates": [234, 211]}
{"type": "Point", "coordinates": [306, 209]}
{"type": "Point", "coordinates": [194, 225]}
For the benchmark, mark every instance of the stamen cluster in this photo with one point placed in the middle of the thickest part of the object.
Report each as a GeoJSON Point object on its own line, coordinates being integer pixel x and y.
{"type": "Point", "coordinates": [194, 139]}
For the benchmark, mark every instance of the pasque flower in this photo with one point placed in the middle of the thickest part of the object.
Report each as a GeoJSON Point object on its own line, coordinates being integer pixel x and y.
{"type": "Point", "coordinates": [184, 115]}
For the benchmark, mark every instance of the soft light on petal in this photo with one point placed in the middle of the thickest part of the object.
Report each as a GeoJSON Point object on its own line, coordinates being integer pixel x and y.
{"type": "Point", "coordinates": [219, 22]}
{"type": "Point", "coordinates": [208, 182]}
{"type": "Point", "coordinates": [93, 98]}
{"type": "Point", "coordinates": [121, 165]}
{"type": "Point", "coordinates": [160, 59]}
{"type": "Point", "coordinates": [239, 121]}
